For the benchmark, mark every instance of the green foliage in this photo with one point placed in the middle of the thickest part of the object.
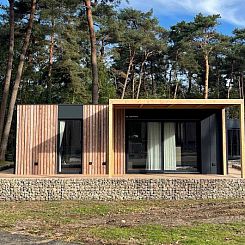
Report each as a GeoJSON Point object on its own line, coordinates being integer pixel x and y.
{"type": "Point", "coordinates": [167, 63]}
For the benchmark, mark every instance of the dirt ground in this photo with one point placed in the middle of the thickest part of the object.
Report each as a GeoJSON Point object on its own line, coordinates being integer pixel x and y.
{"type": "Point", "coordinates": [166, 213]}
{"type": "Point", "coordinates": [178, 215]}
{"type": "Point", "coordinates": [7, 238]}
{"type": "Point", "coordinates": [74, 221]}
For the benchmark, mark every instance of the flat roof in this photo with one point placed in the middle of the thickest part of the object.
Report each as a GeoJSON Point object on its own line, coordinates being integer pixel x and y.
{"type": "Point", "coordinates": [176, 103]}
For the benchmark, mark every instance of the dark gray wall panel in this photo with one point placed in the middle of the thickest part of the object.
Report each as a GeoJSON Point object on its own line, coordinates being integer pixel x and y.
{"type": "Point", "coordinates": [70, 111]}
{"type": "Point", "coordinates": [205, 149]}
{"type": "Point", "coordinates": [211, 144]}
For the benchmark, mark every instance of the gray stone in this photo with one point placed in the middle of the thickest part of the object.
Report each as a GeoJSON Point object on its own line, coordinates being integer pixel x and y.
{"type": "Point", "coordinates": [119, 189]}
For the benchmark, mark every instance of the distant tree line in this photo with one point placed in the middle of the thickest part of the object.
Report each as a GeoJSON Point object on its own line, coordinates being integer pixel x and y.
{"type": "Point", "coordinates": [87, 51]}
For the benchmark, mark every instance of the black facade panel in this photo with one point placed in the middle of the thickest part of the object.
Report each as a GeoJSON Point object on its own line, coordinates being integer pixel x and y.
{"type": "Point", "coordinates": [169, 114]}
{"type": "Point", "coordinates": [205, 146]}
{"type": "Point", "coordinates": [219, 143]}
{"type": "Point", "coordinates": [211, 144]}
{"type": "Point", "coordinates": [70, 111]}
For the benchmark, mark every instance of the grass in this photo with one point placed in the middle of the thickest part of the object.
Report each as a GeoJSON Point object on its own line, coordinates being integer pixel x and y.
{"type": "Point", "coordinates": [129, 222]}
{"type": "Point", "coordinates": [156, 234]}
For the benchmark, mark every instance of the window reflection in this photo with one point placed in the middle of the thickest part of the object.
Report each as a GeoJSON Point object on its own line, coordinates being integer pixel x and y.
{"type": "Point", "coordinates": [162, 146]}
{"type": "Point", "coordinates": [234, 143]}
{"type": "Point", "coordinates": [70, 146]}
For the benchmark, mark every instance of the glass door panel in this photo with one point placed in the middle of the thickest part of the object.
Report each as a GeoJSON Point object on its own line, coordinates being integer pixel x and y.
{"type": "Point", "coordinates": [186, 146]}
{"type": "Point", "coordinates": [136, 145]}
{"type": "Point", "coordinates": [70, 146]}
{"type": "Point", "coordinates": [144, 146]}
{"type": "Point", "coordinates": [234, 143]}
{"type": "Point", "coordinates": [162, 146]}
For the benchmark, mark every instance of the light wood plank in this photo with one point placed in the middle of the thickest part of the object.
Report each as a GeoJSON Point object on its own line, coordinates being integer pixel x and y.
{"type": "Point", "coordinates": [116, 140]}
{"type": "Point", "coordinates": [17, 159]}
{"type": "Point", "coordinates": [242, 150]}
{"type": "Point", "coordinates": [123, 143]}
{"type": "Point", "coordinates": [55, 138]}
{"type": "Point", "coordinates": [224, 146]}
{"type": "Point", "coordinates": [194, 102]}
{"type": "Point", "coordinates": [35, 137]}
{"type": "Point", "coordinates": [111, 141]}
{"type": "Point", "coordinates": [39, 137]}
{"type": "Point", "coordinates": [84, 144]}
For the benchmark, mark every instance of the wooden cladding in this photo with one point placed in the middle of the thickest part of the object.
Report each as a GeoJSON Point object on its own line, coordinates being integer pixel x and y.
{"type": "Point", "coordinates": [36, 139]}
{"type": "Point", "coordinates": [95, 139]}
{"type": "Point", "coordinates": [119, 141]}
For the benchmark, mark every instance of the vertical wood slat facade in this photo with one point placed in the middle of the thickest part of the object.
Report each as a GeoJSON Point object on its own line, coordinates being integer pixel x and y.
{"type": "Point", "coordinates": [95, 139]}
{"type": "Point", "coordinates": [36, 139]}
{"type": "Point", "coordinates": [119, 142]}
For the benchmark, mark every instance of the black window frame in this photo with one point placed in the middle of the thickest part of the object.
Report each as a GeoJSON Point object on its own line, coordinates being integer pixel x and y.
{"type": "Point", "coordinates": [70, 112]}
{"type": "Point", "coordinates": [58, 143]}
{"type": "Point", "coordinates": [230, 154]}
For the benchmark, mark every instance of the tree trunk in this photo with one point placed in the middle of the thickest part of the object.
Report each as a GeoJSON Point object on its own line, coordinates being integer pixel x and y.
{"type": "Point", "coordinates": [141, 73]}
{"type": "Point", "coordinates": [175, 77]}
{"type": "Point", "coordinates": [145, 84]}
{"type": "Point", "coordinates": [242, 85]}
{"type": "Point", "coordinates": [229, 89]}
{"type": "Point", "coordinates": [231, 80]}
{"type": "Point", "coordinates": [131, 60]}
{"type": "Point", "coordinates": [102, 49]}
{"type": "Point", "coordinates": [190, 82]}
{"type": "Point", "coordinates": [154, 87]}
{"type": "Point", "coordinates": [17, 82]}
{"type": "Point", "coordinates": [176, 90]}
{"type": "Point", "coordinates": [169, 83]}
{"type": "Point", "coordinates": [218, 82]}
{"type": "Point", "coordinates": [239, 86]}
{"type": "Point", "coordinates": [51, 53]}
{"type": "Point", "coordinates": [95, 75]}
{"type": "Point", "coordinates": [9, 68]}
{"type": "Point", "coordinates": [133, 81]}
{"type": "Point", "coordinates": [206, 76]}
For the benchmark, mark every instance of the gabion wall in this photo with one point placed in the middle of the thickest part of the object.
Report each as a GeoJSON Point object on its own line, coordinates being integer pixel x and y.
{"type": "Point", "coordinates": [119, 189]}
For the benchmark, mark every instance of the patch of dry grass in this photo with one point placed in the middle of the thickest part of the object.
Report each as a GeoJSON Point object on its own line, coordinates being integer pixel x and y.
{"type": "Point", "coordinates": [129, 222]}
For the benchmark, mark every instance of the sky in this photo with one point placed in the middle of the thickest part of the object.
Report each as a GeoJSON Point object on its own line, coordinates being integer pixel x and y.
{"type": "Point", "coordinates": [169, 12]}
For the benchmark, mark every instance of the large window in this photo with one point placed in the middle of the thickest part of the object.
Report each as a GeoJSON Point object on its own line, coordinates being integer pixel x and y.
{"type": "Point", "coordinates": [70, 146]}
{"type": "Point", "coordinates": [157, 146]}
{"type": "Point", "coordinates": [234, 143]}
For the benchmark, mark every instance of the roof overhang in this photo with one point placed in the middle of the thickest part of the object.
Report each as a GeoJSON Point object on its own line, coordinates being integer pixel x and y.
{"type": "Point", "coordinates": [175, 103]}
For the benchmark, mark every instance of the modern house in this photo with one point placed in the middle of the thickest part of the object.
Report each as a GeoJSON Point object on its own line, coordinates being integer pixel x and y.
{"type": "Point", "coordinates": [127, 136]}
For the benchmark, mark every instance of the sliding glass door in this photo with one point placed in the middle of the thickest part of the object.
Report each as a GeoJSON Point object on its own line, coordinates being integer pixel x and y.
{"type": "Point", "coordinates": [162, 146]}
{"type": "Point", "coordinates": [144, 143]}
{"type": "Point", "coordinates": [187, 135]}
{"type": "Point", "coordinates": [136, 146]}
